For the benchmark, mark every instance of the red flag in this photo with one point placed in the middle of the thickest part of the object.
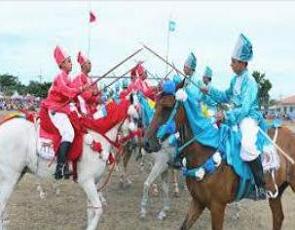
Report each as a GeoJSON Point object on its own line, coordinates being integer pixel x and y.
{"type": "Point", "coordinates": [92, 17]}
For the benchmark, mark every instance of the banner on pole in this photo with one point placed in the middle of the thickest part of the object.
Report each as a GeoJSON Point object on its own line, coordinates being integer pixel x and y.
{"type": "Point", "coordinates": [172, 25]}
{"type": "Point", "coordinates": [92, 17]}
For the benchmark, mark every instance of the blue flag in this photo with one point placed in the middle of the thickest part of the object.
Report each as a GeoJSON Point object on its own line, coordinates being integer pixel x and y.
{"type": "Point", "coordinates": [172, 26]}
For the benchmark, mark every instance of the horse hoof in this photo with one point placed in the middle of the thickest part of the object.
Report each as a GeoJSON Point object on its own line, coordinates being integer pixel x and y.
{"type": "Point", "coordinates": [121, 184]}
{"type": "Point", "coordinates": [162, 216]}
{"type": "Point", "coordinates": [176, 194]}
{"type": "Point", "coordinates": [42, 195]}
{"type": "Point", "coordinates": [129, 182]}
{"type": "Point", "coordinates": [142, 214]}
{"type": "Point", "coordinates": [124, 185]}
{"type": "Point", "coordinates": [57, 192]}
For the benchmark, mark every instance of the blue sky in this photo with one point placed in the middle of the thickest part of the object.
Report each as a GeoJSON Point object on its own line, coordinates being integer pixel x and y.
{"type": "Point", "coordinates": [29, 32]}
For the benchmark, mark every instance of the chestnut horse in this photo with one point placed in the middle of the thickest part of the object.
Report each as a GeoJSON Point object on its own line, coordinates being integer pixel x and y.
{"type": "Point", "coordinates": [217, 190]}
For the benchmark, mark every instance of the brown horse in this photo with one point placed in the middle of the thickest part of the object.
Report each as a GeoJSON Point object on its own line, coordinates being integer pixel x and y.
{"type": "Point", "coordinates": [217, 190]}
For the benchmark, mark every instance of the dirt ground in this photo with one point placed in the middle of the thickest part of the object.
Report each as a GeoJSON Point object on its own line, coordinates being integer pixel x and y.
{"type": "Point", "coordinates": [68, 209]}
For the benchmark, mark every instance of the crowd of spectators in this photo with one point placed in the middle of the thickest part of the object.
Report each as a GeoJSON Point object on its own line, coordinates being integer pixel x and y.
{"type": "Point", "coordinates": [17, 103]}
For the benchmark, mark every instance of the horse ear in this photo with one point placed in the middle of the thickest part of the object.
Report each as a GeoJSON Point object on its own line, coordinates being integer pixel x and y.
{"type": "Point", "coordinates": [180, 85]}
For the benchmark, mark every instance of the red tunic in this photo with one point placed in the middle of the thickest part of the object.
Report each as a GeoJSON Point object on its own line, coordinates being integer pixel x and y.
{"type": "Point", "coordinates": [142, 86]}
{"type": "Point", "coordinates": [91, 100]}
{"type": "Point", "coordinates": [60, 93]}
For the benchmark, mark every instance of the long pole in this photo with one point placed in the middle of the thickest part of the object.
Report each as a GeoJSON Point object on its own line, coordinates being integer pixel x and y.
{"type": "Point", "coordinates": [261, 131]}
{"type": "Point", "coordinates": [172, 66]}
{"type": "Point", "coordinates": [103, 76]}
{"type": "Point", "coordinates": [89, 29]}
{"type": "Point", "coordinates": [168, 42]}
{"type": "Point", "coordinates": [127, 77]}
{"type": "Point", "coordinates": [290, 159]}
{"type": "Point", "coordinates": [122, 76]}
{"type": "Point", "coordinates": [116, 66]}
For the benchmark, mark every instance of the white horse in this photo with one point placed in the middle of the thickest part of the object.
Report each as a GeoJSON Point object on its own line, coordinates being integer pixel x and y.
{"type": "Point", "coordinates": [18, 155]}
{"type": "Point", "coordinates": [159, 170]}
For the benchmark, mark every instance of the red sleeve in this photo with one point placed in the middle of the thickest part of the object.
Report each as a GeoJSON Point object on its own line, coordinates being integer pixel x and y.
{"type": "Point", "coordinates": [87, 95]}
{"type": "Point", "coordinates": [64, 88]}
{"type": "Point", "coordinates": [80, 81]}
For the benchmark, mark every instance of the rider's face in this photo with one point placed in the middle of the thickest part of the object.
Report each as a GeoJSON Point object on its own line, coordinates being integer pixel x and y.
{"type": "Point", "coordinates": [237, 66]}
{"type": "Point", "coordinates": [187, 70]}
{"type": "Point", "coordinates": [66, 65]}
{"type": "Point", "coordinates": [86, 67]}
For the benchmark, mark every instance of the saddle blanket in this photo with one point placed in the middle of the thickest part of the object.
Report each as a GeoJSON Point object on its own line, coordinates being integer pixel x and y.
{"type": "Point", "coordinates": [228, 141]}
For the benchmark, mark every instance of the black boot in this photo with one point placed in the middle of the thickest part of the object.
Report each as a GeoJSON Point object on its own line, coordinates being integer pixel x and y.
{"type": "Point", "coordinates": [257, 171]}
{"type": "Point", "coordinates": [62, 168]}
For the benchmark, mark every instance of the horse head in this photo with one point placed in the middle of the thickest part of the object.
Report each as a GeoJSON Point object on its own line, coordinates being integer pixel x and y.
{"type": "Point", "coordinates": [165, 105]}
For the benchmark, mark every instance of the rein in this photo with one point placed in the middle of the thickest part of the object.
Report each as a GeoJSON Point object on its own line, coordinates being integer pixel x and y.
{"type": "Point", "coordinates": [118, 144]}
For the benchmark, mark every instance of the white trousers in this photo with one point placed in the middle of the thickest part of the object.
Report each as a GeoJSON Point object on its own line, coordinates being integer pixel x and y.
{"type": "Point", "coordinates": [62, 122]}
{"type": "Point", "coordinates": [249, 130]}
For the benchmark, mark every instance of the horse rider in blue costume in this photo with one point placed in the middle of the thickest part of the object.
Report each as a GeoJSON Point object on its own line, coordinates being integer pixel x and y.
{"type": "Point", "coordinates": [206, 100]}
{"type": "Point", "coordinates": [242, 95]}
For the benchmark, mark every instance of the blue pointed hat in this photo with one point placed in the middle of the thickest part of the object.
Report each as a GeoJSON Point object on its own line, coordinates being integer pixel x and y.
{"type": "Point", "coordinates": [191, 61]}
{"type": "Point", "coordinates": [243, 49]}
{"type": "Point", "coordinates": [208, 72]}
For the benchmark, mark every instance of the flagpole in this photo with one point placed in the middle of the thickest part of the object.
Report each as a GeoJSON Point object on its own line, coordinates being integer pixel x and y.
{"type": "Point", "coordinates": [89, 38]}
{"type": "Point", "coordinates": [168, 41]}
{"type": "Point", "coordinates": [89, 29]}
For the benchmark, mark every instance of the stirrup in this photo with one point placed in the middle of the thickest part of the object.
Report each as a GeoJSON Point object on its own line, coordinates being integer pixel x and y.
{"type": "Point", "coordinates": [58, 175]}
{"type": "Point", "coordinates": [260, 193]}
{"type": "Point", "coordinates": [66, 172]}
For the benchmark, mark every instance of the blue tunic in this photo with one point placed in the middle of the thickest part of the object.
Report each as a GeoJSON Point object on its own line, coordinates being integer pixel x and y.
{"type": "Point", "coordinates": [242, 94]}
{"type": "Point", "coordinates": [209, 102]}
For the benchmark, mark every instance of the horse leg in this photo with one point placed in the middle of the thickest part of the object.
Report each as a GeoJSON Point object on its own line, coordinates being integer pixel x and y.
{"type": "Point", "coordinates": [277, 212]}
{"type": "Point", "coordinates": [217, 215]}
{"type": "Point", "coordinates": [194, 212]}
{"type": "Point", "coordinates": [126, 159]}
{"type": "Point", "coordinates": [90, 213]}
{"type": "Point", "coordinates": [6, 188]}
{"type": "Point", "coordinates": [165, 196]}
{"type": "Point", "coordinates": [95, 204]}
{"type": "Point", "coordinates": [42, 193]}
{"type": "Point", "coordinates": [157, 169]}
{"type": "Point", "coordinates": [102, 199]}
{"type": "Point", "coordinates": [175, 182]}
{"type": "Point", "coordinates": [277, 209]}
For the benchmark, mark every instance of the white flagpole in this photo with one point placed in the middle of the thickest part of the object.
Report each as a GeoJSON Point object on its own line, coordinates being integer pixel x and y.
{"type": "Point", "coordinates": [89, 28]}
{"type": "Point", "coordinates": [168, 41]}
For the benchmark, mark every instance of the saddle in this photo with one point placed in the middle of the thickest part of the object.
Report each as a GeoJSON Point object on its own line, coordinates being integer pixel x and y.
{"type": "Point", "coordinates": [49, 137]}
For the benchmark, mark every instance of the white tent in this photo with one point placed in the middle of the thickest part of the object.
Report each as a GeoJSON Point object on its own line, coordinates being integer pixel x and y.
{"type": "Point", "coordinates": [16, 95]}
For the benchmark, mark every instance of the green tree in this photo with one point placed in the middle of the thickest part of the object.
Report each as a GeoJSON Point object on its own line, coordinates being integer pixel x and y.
{"type": "Point", "coordinates": [38, 89]}
{"type": "Point", "coordinates": [10, 83]}
{"type": "Point", "coordinates": [264, 86]}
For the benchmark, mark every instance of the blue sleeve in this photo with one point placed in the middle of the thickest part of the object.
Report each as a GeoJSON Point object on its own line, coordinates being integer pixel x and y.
{"type": "Point", "coordinates": [194, 92]}
{"type": "Point", "coordinates": [208, 100]}
{"type": "Point", "coordinates": [248, 97]}
{"type": "Point", "coordinates": [221, 96]}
